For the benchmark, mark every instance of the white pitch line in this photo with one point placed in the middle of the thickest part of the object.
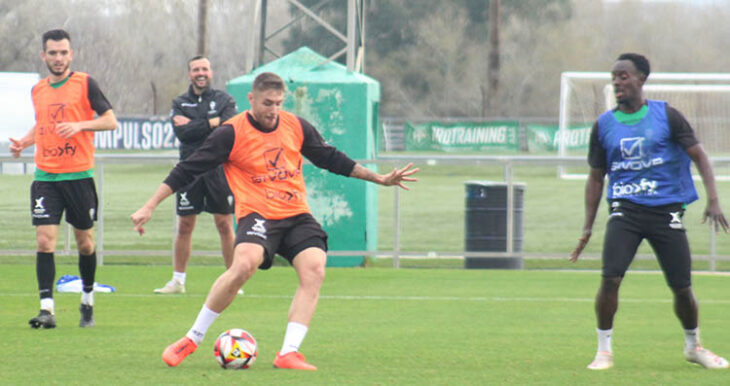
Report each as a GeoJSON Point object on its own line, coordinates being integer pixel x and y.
{"type": "Point", "coordinates": [495, 299]}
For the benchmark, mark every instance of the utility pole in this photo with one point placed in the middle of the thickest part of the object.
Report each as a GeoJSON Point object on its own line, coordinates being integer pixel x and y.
{"type": "Point", "coordinates": [490, 90]}
{"type": "Point", "coordinates": [262, 35]}
{"type": "Point", "coordinates": [202, 26]}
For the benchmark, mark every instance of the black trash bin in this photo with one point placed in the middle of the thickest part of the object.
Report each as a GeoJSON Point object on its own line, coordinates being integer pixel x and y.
{"type": "Point", "coordinates": [485, 223]}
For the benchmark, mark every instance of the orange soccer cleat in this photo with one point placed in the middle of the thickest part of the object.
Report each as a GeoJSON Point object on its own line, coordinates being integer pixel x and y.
{"type": "Point", "coordinates": [176, 352]}
{"type": "Point", "coordinates": [292, 360]}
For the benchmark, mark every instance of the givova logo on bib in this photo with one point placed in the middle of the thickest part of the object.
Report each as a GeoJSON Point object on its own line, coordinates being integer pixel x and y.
{"type": "Point", "coordinates": [632, 148]}
{"type": "Point", "coordinates": [633, 156]}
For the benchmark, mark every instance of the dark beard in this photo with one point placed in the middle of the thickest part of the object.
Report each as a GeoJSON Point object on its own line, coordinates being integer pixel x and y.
{"type": "Point", "coordinates": [50, 69]}
{"type": "Point", "coordinates": [199, 91]}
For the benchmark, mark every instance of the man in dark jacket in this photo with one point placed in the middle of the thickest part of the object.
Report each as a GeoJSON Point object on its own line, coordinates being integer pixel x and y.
{"type": "Point", "coordinates": [195, 115]}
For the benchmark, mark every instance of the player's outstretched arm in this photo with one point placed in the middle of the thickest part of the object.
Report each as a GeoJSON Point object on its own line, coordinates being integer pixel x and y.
{"type": "Point", "coordinates": [214, 151]}
{"type": "Point", "coordinates": [594, 190]}
{"type": "Point", "coordinates": [144, 214]}
{"type": "Point", "coordinates": [396, 177]}
{"type": "Point", "coordinates": [713, 212]}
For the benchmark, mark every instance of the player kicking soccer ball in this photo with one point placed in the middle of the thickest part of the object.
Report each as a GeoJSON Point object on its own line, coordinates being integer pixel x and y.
{"type": "Point", "coordinates": [273, 214]}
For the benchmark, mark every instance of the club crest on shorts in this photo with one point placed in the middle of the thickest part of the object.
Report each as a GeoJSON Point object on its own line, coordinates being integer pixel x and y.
{"type": "Point", "coordinates": [676, 222]}
{"type": "Point", "coordinates": [184, 199]}
{"type": "Point", "coordinates": [258, 229]}
{"type": "Point", "coordinates": [615, 207]}
{"type": "Point", "coordinates": [184, 203]}
{"type": "Point", "coordinates": [39, 208]}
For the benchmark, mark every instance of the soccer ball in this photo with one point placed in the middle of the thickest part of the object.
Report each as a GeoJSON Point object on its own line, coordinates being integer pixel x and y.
{"type": "Point", "coordinates": [235, 349]}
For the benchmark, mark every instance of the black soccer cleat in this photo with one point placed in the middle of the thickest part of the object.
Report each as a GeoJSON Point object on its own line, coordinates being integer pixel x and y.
{"type": "Point", "coordinates": [87, 316]}
{"type": "Point", "coordinates": [44, 319]}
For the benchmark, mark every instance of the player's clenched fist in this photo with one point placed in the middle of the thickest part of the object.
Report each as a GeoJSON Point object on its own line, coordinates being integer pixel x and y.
{"type": "Point", "coordinates": [139, 218]}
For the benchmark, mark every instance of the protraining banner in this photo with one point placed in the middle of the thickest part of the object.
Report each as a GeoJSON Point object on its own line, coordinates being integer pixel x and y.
{"type": "Point", "coordinates": [462, 136]}
{"type": "Point", "coordinates": [152, 133]}
{"type": "Point", "coordinates": [548, 138]}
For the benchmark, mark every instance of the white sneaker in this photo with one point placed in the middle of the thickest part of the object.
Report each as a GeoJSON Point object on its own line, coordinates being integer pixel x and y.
{"type": "Point", "coordinates": [240, 291]}
{"type": "Point", "coordinates": [706, 358]}
{"type": "Point", "coordinates": [172, 287]}
{"type": "Point", "coordinates": [602, 361]}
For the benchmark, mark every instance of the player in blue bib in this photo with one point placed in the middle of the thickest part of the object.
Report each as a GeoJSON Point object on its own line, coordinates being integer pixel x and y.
{"type": "Point", "coordinates": [646, 147]}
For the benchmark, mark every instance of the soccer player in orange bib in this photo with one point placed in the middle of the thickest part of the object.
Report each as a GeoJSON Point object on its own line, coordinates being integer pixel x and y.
{"type": "Point", "coordinates": [64, 103]}
{"type": "Point", "coordinates": [261, 151]}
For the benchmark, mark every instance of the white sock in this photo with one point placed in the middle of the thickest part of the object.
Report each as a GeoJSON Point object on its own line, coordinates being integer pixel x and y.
{"type": "Point", "coordinates": [179, 277]}
{"type": "Point", "coordinates": [295, 333]}
{"type": "Point", "coordinates": [604, 340]}
{"type": "Point", "coordinates": [206, 317]}
{"type": "Point", "coordinates": [87, 298]}
{"type": "Point", "coordinates": [47, 304]}
{"type": "Point", "coordinates": [691, 338]}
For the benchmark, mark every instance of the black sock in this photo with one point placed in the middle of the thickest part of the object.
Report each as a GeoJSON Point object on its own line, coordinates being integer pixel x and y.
{"type": "Point", "coordinates": [87, 268]}
{"type": "Point", "coordinates": [45, 271]}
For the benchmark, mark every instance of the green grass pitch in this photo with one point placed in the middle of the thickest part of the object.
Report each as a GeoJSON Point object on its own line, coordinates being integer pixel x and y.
{"type": "Point", "coordinates": [373, 327]}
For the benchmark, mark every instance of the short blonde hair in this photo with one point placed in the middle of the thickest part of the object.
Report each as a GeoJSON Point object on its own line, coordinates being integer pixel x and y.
{"type": "Point", "coordinates": [268, 81]}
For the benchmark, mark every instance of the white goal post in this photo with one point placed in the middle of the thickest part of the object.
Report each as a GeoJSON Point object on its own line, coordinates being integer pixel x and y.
{"type": "Point", "coordinates": [703, 98]}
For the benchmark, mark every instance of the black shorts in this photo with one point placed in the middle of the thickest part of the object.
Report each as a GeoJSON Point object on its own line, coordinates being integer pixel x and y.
{"type": "Point", "coordinates": [48, 200]}
{"type": "Point", "coordinates": [287, 237]}
{"type": "Point", "coordinates": [662, 226]}
{"type": "Point", "coordinates": [209, 192]}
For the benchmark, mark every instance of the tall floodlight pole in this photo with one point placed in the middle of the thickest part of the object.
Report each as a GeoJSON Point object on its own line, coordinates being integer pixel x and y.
{"type": "Point", "coordinates": [354, 39]}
